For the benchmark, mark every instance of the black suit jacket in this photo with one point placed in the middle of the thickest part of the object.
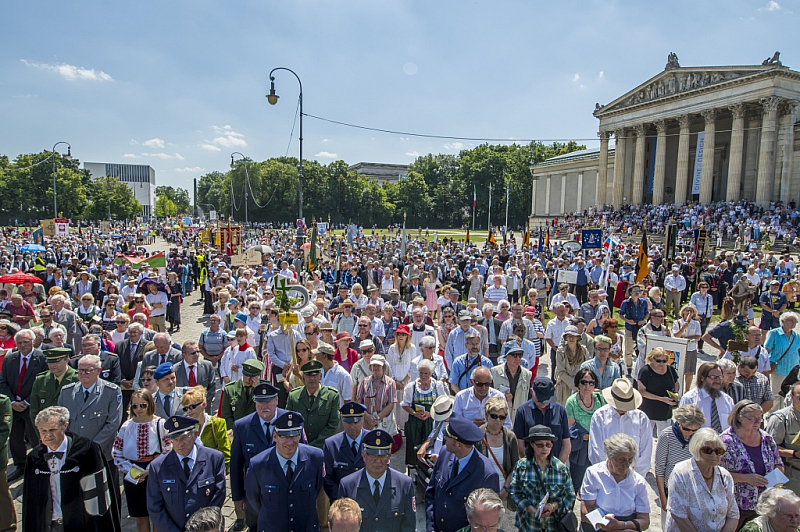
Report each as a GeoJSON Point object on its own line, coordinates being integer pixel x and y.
{"type": "Point", "coordinates": [128, 363]}
{"type": "Point", "coordinates": [494, 322]}
{"type": "Point", "coordinates": [9, 374]}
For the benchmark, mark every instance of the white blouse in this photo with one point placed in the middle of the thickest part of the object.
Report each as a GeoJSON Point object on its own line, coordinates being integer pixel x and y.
{"type": "Point", "coordinates": [689, 497]}
{"type": "Point", "coordinates": [401, 364]}
{"type": "Point", "coordinates": [611, 497]}
{"type": "Point", "coordinates": [137, 441]}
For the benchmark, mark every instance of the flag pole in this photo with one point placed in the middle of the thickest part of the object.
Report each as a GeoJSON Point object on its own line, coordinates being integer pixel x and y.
{"type": "Point", "coordinates": [507, 200]}
{"type": "Point", "coordinates": [489, 219]}
{"type": "Point", "coordinates": [474, 203]}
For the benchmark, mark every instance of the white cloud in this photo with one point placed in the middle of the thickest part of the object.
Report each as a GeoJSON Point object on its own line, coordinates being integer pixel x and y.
{"type": "Point", "coordinates": [576, 78]}
{"type": "Point", "coordinates": [772, 5]}
{"type": "Point", "coordinates": [192, 170]}
{"type": "Point", "coordinates": [210, 147]}
{"type": "Point", "coordinates": [601, 74]}
{"type": "Point", "coordinates": [326, 140]}
{"type": "Point", "coordinates": [454, 146]}
{"type": "Point", "coordinates": [228, 138]}
{"type": "Point", "coordinates": [414, 153]}
{"type": "Point", "coordinates": [154, 143]}
{"type": "Point", "coordinates": [163, 156]}
{"type": "Point", "coordinates": [130, 156]}
{"type": "Point", "coordinates": [179, 156]}
{"type": "Point", "coordinates": [71, 72]}
{"type": "Point", "coordinates": [326, 155]}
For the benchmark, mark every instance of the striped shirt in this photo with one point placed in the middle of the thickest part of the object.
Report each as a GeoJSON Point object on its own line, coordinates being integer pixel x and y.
{"type": "Point", "coordinates": [377, 396]}
{"type": "Point", "coordinates": [669, 451]}
{"type": "Point", "coordinates": [507, 328]}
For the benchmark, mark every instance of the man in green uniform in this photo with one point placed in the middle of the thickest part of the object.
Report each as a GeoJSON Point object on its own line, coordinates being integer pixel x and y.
{"type": "Point", "coordinates": [8, 515]}
{"type": "Point", "coordinates": [47, 386]}
{"type": "Point", "coordinates": [237, 399]}
{"type": "Point", "coordinates": [784, 426]}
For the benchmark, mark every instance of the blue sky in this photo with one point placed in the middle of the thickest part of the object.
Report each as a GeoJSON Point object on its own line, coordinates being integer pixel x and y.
{"type": "Point", "coordinates": [179, 85]}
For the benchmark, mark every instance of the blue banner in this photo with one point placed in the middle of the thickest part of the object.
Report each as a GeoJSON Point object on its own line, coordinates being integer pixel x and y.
{"type": "Point", "coordinates": [592, 238]}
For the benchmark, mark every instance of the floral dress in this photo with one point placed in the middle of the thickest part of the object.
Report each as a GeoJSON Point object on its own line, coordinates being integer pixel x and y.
{"type": "Point", "coordinates": [737, 460]}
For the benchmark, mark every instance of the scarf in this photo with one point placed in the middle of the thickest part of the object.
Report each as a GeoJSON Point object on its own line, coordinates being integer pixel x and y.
{"type": "Point", "coordinates": [676, 430]}
{"type": "Point", "coordinates": [576, 356]}
{"type": "Point", "coordinates": [244, 347]}
{"type": "Point", "coordinates": [764, 524]}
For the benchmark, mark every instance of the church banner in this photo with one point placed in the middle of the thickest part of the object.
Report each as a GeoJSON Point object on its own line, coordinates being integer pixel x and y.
{"type": "Point", "coordinates": [698, 162]}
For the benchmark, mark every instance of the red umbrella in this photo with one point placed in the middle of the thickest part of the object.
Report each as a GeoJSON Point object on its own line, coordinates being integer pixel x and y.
{"type": "Point", "coordinates": [19, 278]}
{"type": "Point", "coordinates": [307, 245]}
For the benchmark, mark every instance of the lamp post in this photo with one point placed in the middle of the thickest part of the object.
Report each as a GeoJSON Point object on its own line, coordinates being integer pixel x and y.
{"type": "Point", "coordinates": [272, 98]}
{"type": "Point", "coordinates": [246, 182]}
{"type": "Point", "coordinates": [68, 157]}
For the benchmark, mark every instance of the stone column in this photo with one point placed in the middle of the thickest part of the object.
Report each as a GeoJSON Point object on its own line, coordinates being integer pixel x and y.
{"type": "Point", "coordinates": [752, 141]}
{"type": "Point", "coordinates": [602, 171]}
{"type": "Point", "coordinates": [661, 162]}
{"type": "Point", "coordinates": [563, 194]}
{"type": "Point", "coordinates": [547, 197]}
{"type": "Point", "coordinates": [707, 170]}
{"type": "Point", "coordinates": [580, 193]}
{"type": "Point", "coordinates": [737, 146]}
{"type": "Point", "coordinates": [766, 153]}
{"type": "Point", "coordinates": [638, 166]}
{"type": "Point", "coordinates": [787, 125]}
{"type": "Point", "coordinates": [619, 167]}
{"type": "Point", "coordinates": [533, 196]}
{"type": "Point", "coordinates": [682, 172]}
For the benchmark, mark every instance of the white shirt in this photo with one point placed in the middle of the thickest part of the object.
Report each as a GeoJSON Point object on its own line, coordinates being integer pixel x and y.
{"type": "Point", "coordinates": [689, 497]}
{"type": "Point", "coordinates": [186, 369]}
{"type": "Point", "coordinates": [234, 357]}
{"type": "Point", "coordinates": [694, 329]}
{"type": "Point", "coordinates": [339, 379]}
{"type": "Point", "coordinates": [381, 481]}
{"type": "Point", "coordinates": [439, 369]}
{"type": "Point", "coordinates": [569, 298]}
{"type": "Point", "coordinates": [677, 282]}
{"type": "Point", "coordinates": [401, 364]}
{"type": "Point", "coordinates": [470, 407]}
{"type": "Point", "coordinates": [192, 457]}
{"type": "Point", "coordinates": [157, 298]}
{"type": "Point", "coordinates": [623, 498]}
{"type": "Point", "coordinates": [555, 330]}
{"type": "Point", "coordinates": [606, 421]}
{"type": "Point", "coordinates": [700, 398]}
{"type": "Point", "coordinates": [55, 464]}
{"type": "Point", "coordinates": [759, 353]}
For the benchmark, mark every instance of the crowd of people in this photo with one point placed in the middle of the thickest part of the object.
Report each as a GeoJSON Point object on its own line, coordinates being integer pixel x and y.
{"type": "Point", "coordinates": [508, 388]}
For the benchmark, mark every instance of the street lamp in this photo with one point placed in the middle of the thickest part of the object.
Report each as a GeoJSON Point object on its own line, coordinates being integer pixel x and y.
{"type": "Point", "coordinates": [246, 181]}
{"type": "Point", "coordinates": [68, 157]}
{"type": "Point", "coordinates": [272, 98]}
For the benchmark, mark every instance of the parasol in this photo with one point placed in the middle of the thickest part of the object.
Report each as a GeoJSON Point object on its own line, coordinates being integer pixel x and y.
{"type": "Point", "coordinates": [142, 288]}
{"type": "Point", "coordinates": [19, 278]}
{"type": "Point", "coordinates": [32, 248]}
{"type": "Point", "coordinates": [263, 248]}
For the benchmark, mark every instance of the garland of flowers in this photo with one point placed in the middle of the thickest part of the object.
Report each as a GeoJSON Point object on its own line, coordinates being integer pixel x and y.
{"type": "Point", "coordinates": [739, 328]}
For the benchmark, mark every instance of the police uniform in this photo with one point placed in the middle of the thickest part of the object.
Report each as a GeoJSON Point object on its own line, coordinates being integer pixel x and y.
{"type": "Point", "coordinates": [46, 388]}
{"type": "Point", "coordinates": [285, 505]}
{"type": "Point", "coordinates": [321, 417]}
{"type": "Point", "coordinates": [8, 516]}
{"type": "Point", "coordinates": [784, 426]}
{"type": "Point", "coordinates": [98, 418]}
{"type": "Point", "coordinates": [237, 399]}
{"type": "Point", "coordinates": [446, 494]}
{"type": "Point", "coordinates": [340, 459]}
{"type": "Point", "coordinates": [395, 507]}
{"type": "Point", "coordinates": [249, 439]}
{"type": "Point", "coordinates": [109, 366]}
{"type": "Point", "coordinates": [172, 497]}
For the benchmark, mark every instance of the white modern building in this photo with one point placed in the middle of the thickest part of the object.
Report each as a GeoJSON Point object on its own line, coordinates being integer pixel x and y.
{"type": "Point", "coordinates": [381, 172]}
{"type": "Point", "coordinates": [140, 178]}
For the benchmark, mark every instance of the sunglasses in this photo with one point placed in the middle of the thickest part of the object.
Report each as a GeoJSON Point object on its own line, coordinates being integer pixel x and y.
{"type": "Point", "coordinates": [191, 407]}
{"type": "Point", "coordinates": [660, 360]}
{"type": "Point", "coordinates": [367, 350]}
{"type": "Point", "coordinates": [304, 350]}
{"type": "Point", "coordinates": [515, 355]}
{"type": "Point", "coordinates": [143, 405]}
{"type": "Point", "coordinates": [543, 444]}
{"type": "Point", "coordinates": [146, 380]}
{"type": "Point", "coordinates": [686, 429]}
{"type": "Point", "coordinates": [498, 416]}
{"type": "Point", "coordinates": [712, 450]}
{"type": "Point", "coordinates": [587, 383]}
{"type": "Point", "coordinates": [482, 384]}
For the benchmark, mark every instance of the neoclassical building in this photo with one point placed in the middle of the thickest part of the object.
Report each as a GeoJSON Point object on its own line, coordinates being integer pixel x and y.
{"type": "Point", "coordinates": [687, 134]}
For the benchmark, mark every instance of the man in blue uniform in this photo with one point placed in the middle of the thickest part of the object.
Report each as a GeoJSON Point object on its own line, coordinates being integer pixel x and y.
{"type": "Point", "coordinates": [251, 435]}
{"type": "Point", "coordinates": [184, 480]}
{"type": "Point", "coordinates": [459, 470]}
{"type": "Point", "coordinates": [343, 451]}
{"type": "Point", "coordinates": [284, 481]}
{"type": "Point", "coordinates": [386, 497]}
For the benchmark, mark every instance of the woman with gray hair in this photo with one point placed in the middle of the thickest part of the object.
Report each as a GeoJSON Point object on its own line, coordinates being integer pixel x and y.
{"type": "Point", "coordinates": [673, 447]}
{"type": "Point", "coordinates": [700, 490]}
{"type": "Point", "coordinates": [778, 511]}
{"type": "Point", "coordinates": [427, 349]}
{"type": "Point", "coordinates": [484, 510]}
{"type": "Point", "coordinates": [615, 489]}
{"type": "Point", "coordinates": [782, 344]}
{"type": "Point", "coordinates": [418, 398]}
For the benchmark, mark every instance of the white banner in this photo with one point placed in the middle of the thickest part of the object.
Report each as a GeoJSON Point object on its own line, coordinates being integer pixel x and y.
{"type": "Point", "coordinates": [698, 162]}
{"type": "Point", "coordinates": [675, 349]}
{"type": "Point", "coordinates": [568, 276]}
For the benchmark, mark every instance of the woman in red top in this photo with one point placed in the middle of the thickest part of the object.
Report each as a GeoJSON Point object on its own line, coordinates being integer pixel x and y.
{"type": "Point", "coordinates": [139, 304]}
{"type": "Point", "coordinates": [345, 355]}
{"type": "Point", "coordinates": [7, 332]}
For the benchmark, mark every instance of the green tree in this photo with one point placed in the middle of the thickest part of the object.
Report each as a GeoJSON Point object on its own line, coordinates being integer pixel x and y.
{"type": "Point", "coordinates": [109, 195]}
{"type": "Point", "coordinates": [178, 196]}
{"type": "Point", "coordinates": [165, 207]}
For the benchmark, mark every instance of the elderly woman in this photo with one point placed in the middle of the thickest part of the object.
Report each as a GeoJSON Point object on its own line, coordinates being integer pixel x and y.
{"type": "Point", "coordinates": [569, 357]}
{"type": "Point", "coordinates": [418, 398]}
{"type": "Point", "coordinates": [778, 511]}
{"type": "Point", "coordinates": [427, 347]}
{"type": "Point", "coordinates": [537, 476]}
{"type": "Point", "coordinates": [730, 385]}
{"type": "Point", "coordinates": [58, 338]}
{"type": "Point", "coordinates": [595, 325]}
{"type": "Point", "coordinates": [148, 381]}
{"type": "Point", "coordinates": [700, 490]}
{"type": "Point", "coordinates": [213, 431]}
{"type": "Point", "coordinates": [751, 454]}
{"type": "Point", "coordinates": [654, 299]}
{"type": "Point", "coordinates": [87, 309]}
{"type": "Point", "coordinates": [140, 440]}
{"type": "Point", "coordinates": [615, 489]}
{"type": "Point", "coordinates": [120, 332]}
{"type": "Point", "coordinates": [688, 326]}
{"type": "Point", "coordinates": [499, 442]}
{"type": "Point", "coordinates": [657, 379]}
{"type": "Point", "coordinates": [580, 406]}
{"type": "Point", "coordinates": [358, 297]}
{"type": "Point", "coordinates": [378, 394]}
{"type": "Point", "coordinates": [782, 345]}
{"type": "Point", "coordinates": [673, 447]}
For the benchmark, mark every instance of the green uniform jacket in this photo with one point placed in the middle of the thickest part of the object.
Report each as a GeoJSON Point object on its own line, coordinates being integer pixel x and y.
{"type": "Point", "coordinates": [5, 430]}
{"type": "Point", "coordinates": [215, 436]}
{"type": "Point", "coordinates": [46, 390]}
{"type": "Point", "coordinates": [237, 402]}
{"type": "Point", "coordinates": [320, 421]}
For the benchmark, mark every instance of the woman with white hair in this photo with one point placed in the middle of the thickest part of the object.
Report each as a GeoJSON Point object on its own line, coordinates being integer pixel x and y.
{"type": "Point", "coordinates": [418, 398]}
{"type": "Point", "coordinates": [782, 344]}
{"type": "Point", "coordinates": [701, 495]}
{"type": "Point", "coordinates": [778, 511]}
{"type": "Point", "coordinates": [427, 348]}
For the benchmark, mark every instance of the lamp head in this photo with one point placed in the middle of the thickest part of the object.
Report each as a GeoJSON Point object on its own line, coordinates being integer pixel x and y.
{"type": "Point", "coordinates": [68, 156]}
{"type": "Point", "coordinates": [272, 98]}
{"type": "Point", "coordinates": [232, 165]}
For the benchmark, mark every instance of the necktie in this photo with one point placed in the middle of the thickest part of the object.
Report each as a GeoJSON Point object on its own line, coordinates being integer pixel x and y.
{"type": "Point", "coordinates": [192, 377]}
{"type": "Point", "coordinates": [289, 471]}
{"type": "Point", "coordinates": [168, 404]}
{"type": "Point", "coordinates": [266, 430]}
{"type": "Point", "coordinates": [376, 491]}
{"type": "Point", "coordinates": [163, 358]}
{"type": "Point", "coordinates": [354, 448]}
{"type": "Point", "coordinates": [715, 424]}
{"type": "Point", "coordinates": [186, 470]}
{"type": "Point", "coordinates": [133, 351]}
{"type": "Point", "coordinates": [22, 373]}
{"type": "Point", "coordinates": [311, 399]}
{"type": "Point", "coordinates": [85, 395]}
{"type": "Point", "coordinates": [454, 472]}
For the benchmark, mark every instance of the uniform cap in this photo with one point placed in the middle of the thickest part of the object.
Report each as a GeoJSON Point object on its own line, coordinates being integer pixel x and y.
{"type": "Point", "coordinates": [179, 425]}
{"type": "Point", "coordinates": [378, 442]}
{"type": "Point", "coordinates": [264, 392]}
{"type": "Point", "coordinates": [352, 412]}
{"type": "Point", "coordinates": [463, 430]}
{"type": "Point", "coordinates": [163, 370]}
{"type": "Point", "coordinates": [311, 367]}
{"type": "Point", "coordinates": [253, 368]}
{"type": "Point", "coordinates": [55, 354]}
{"type": "Point", "coordinates": [289, 424]}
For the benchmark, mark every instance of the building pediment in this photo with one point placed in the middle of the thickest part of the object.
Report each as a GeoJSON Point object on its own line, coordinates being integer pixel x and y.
{"type": "Point", "coordinates": [677, 81]}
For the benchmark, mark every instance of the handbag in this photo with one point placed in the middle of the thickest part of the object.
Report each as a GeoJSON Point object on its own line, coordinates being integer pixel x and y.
{"type": "Point", "coordinates": [568, 523]}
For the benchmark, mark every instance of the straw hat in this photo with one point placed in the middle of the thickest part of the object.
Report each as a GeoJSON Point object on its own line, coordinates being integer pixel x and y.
{"type": "Point", "coordinates": [622, 395]}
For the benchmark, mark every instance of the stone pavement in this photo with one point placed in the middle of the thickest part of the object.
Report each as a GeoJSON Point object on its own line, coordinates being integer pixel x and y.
{"type": "Point", "coordinates": [193, 324]}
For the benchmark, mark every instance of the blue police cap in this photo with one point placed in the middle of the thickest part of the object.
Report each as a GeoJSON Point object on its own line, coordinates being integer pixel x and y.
{"type": "Point", "coordinates": [289, 424]}
{"type": "Point", "coordinates": [352, 412]}
{"type": "Point", "coordinates": [463, 430]}
{"type": "Point", "coordinates": [163, 370]}
{"type": "Point", "coordinates": [178, 425]}
{"type": "Point", "coordinates": [378, 442]}
{"type": "Point", "coordinates": [264, 392]}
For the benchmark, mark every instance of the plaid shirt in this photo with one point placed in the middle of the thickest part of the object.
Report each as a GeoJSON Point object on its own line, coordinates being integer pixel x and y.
{"type": "Point", "coordinates": [756, 388]}
{"type": "Point", "coordinates": [529, 486]}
